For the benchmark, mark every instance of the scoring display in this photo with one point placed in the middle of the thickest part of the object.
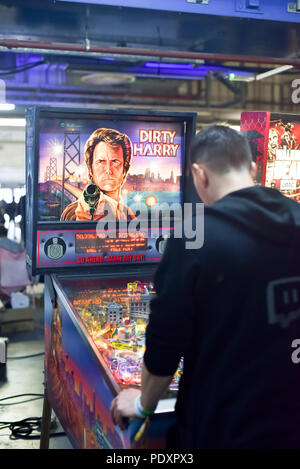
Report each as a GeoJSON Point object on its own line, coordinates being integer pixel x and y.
{"type": "Point", "coordinates": [92, 243]}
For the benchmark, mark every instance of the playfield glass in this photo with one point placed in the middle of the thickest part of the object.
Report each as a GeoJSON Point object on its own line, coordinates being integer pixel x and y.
{"type": "Point", "coordinates": [115, 313]}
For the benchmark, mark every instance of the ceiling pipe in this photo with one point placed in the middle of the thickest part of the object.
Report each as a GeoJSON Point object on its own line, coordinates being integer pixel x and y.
{"type": "Point", "coordinates": [49, 47]}
{"type": "Point", "coordinates": [99, 96]}
{"type": "Point", "coordinates": [96, 99]}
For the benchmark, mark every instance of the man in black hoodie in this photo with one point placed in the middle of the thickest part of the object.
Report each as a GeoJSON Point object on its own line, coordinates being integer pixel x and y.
{"type": "Point", "coordinates": [230, 308]}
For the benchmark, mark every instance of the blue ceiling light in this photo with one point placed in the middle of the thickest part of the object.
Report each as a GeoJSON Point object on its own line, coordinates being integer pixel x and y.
{"type": "Point", "coordinates": [169, 65]}
{"type": "Point", "coordinates": [169, 72]}
{"type": "Point", "coordinates": [174, 76]}
{"type": "Point", "coordinates": [184, 70]}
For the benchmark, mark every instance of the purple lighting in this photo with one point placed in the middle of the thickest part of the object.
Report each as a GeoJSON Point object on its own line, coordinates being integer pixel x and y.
{"type": "Point", "coordinates": [169, 65]}
{"type": "Point", "coordinates": [170, 72]}
{"type": "Point", "coordinates": [185, 70]}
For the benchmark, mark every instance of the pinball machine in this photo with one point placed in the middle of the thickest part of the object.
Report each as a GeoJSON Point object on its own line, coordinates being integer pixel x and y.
{"type": "Point", "coordinates": [275, 142]}
{"type": "Point", "coordinates": [99, 260]}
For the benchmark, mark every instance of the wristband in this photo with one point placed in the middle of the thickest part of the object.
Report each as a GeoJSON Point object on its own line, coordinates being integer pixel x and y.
{"type": "Point", "coordinates": [140, 411]}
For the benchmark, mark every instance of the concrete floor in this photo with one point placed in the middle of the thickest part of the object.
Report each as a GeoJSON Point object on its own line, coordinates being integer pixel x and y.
{"type": "Point", "coordinates": [24, 376]}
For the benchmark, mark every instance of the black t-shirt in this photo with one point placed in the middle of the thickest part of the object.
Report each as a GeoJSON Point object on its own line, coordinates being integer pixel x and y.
{"type": "Point", "coordinates": [232, 310]}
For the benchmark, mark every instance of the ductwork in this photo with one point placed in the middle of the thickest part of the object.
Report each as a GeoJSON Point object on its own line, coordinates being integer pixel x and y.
{"type": "Point", "coordinates": [89, 50]}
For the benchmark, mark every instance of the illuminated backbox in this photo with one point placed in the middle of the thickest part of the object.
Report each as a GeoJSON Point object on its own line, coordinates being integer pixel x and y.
{"type": "Point", "coordinates": [99, 182]}
{"type": "Point", "coordinates": [275, 145]}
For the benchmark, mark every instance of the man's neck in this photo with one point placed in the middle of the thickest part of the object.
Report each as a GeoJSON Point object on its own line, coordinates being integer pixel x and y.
{"type": "Point", "coordinates": [230, 182]}
{"type": "Point", "coordinates": [113, 195]}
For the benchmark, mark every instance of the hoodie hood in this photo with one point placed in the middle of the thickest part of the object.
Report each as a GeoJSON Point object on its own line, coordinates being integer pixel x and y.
{"type": "Point", "coordinates": [263, 211]}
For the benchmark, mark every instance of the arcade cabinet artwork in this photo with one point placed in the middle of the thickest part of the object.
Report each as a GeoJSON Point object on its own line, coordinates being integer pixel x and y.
{"type": "Point", "coordinates": [275, 143]}
{"type": "Point", "coordinates": [85, 168]}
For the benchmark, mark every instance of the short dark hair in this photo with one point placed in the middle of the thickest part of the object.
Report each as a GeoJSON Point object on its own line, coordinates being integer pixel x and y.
{"type": "Point", "coordinates": [111, 137]}
{"type": "Point", "coordinates": [221, 148]}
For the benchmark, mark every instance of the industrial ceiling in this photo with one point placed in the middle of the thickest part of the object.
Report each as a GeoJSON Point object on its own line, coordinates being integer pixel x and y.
{"type": "Point", "coordinates": [81, 54]}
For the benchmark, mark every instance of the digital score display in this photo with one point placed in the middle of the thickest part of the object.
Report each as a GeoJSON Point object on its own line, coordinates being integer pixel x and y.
{"type": "Point", "coordinates": [87, 243]}
{"type": "Point", "coordinates": [91, 247]}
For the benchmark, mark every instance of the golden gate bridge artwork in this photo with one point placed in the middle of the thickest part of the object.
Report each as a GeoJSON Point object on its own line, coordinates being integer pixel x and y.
{"type": "Point", "coordinates": [66, 187]}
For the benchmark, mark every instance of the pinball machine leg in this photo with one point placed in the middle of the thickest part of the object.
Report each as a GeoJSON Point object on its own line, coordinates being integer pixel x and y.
{"type": "Point", "coordinates": [46, 423]}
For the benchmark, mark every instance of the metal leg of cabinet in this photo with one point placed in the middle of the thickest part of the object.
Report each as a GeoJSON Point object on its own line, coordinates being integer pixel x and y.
{"type": "Point", "coordinates": [46, 424]}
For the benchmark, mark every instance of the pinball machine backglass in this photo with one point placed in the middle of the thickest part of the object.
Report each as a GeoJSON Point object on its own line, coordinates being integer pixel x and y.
{"type": "Point", "coordinates": [275, 142]}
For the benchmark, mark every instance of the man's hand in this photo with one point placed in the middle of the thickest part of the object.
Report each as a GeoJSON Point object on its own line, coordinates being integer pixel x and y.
{"type": "Point", "coordinates": [153, 388]}
{"type": "Point", "coordinates": [123, 407]}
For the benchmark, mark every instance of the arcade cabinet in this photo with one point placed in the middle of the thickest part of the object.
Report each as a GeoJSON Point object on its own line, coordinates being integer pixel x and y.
{"type": "Point", "coordinates": [98, 243]}
{"type": "Point", "coordinates": [275, 143]}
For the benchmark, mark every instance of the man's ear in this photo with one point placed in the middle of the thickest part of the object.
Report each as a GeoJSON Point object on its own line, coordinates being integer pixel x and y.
{"type": "Point", "coordinates": [253, 170]}
{"type": "Point", "coordinates": [200, 176]}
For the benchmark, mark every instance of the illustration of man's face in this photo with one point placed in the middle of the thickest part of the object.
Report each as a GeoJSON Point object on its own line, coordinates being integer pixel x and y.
{"type": "Point", "coordinates": [272, 143]}
{"type": "Point", "coordinates": [286, 137]}
{"type": "Point", "coordinates": [273, 139]}
{"type": "Point", "coordinates": [108, 167]}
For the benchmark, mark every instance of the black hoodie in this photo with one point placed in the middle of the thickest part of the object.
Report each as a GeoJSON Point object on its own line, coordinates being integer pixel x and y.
{"type": "Point", "coordinates": [232, 310]}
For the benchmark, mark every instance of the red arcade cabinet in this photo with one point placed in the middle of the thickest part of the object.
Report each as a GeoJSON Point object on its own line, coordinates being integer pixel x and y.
{"type": "Point", "coordinates": [275, 143]}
